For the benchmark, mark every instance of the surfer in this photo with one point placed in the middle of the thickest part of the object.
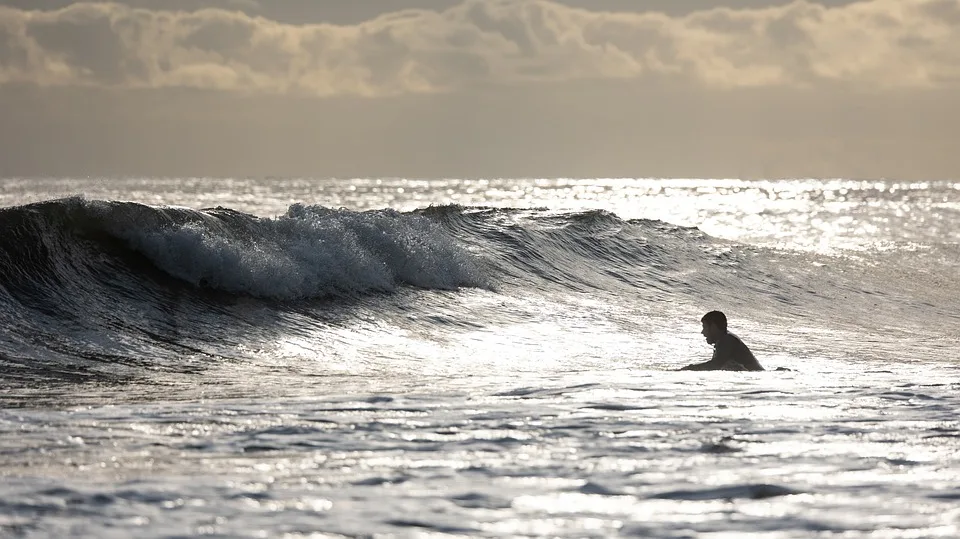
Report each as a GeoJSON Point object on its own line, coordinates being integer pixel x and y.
{"type": "Point", "coordinates": [729, 353]}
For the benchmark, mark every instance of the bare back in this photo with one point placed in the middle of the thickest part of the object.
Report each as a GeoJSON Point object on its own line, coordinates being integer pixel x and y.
{"type": "Point", "coordinates": [729, 354]}
{"type": "Point", "coordinates": [731, 350]}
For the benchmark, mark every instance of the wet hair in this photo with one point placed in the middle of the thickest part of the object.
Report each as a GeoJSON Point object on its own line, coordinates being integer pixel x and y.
{"type": "Point", "coordinates": [716, 318]}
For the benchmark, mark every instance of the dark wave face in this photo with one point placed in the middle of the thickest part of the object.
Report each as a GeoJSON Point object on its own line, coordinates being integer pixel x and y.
{"type": "Point", "coordinates": [92, 287]}
{"type": "Point", "coordinates": [98, 290]}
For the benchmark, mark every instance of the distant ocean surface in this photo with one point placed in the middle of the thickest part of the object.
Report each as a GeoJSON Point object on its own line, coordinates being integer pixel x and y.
{"type": "Point", "coordinates": [477, 358]}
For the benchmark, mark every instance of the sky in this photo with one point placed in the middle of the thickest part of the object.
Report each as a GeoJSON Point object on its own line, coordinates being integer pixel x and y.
{"type": "Point", "coordinates": [481, 88]}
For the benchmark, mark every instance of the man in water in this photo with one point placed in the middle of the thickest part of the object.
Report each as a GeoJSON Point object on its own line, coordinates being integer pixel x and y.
{"type": "Point", "coordinates": [729, 353]}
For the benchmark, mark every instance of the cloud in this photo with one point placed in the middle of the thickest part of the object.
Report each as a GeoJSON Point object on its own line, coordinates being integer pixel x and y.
{"type": "Point", "coordinates": [869, 44]}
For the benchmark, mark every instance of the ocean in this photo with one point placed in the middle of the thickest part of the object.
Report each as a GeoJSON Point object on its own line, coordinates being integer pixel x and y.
{"type": "Point", "coordinates": [395, 357]}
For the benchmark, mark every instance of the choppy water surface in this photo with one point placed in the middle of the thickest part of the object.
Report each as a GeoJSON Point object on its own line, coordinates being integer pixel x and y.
{"type": "Point", "coordinates": [477, 358]}
{"type": "Point", "coordinates": [801, 213]}
{"type": "Point", "coordinates": [629, 452]}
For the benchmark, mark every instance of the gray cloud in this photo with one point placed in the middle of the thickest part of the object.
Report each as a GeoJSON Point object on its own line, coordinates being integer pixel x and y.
{"type": "Point", "coordinates": [876, 43]}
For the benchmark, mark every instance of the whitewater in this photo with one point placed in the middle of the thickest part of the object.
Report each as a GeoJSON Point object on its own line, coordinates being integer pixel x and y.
{"type": "Point", "coordinates": [394, 357]}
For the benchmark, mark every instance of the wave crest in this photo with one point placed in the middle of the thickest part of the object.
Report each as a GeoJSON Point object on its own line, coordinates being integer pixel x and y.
{"type": "Point", "coordinates": [311, 251]}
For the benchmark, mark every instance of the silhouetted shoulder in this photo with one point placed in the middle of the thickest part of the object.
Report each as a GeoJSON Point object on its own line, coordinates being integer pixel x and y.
{"type": "Point", "coordinates": [730, 349]}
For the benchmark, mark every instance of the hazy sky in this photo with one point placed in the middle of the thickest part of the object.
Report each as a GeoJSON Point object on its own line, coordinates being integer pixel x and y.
{"type": "Point", "coordinates": [702, 88]}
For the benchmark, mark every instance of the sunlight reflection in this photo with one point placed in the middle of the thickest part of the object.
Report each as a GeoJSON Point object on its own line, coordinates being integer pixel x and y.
{"type": "Point", "coordinates": [758, 211]}
{"type": "Point", "coordinates": [575, 503]}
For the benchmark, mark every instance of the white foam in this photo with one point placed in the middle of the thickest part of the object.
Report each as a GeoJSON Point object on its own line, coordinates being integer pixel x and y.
{"type": "Point", "coordinates": [311, 251]}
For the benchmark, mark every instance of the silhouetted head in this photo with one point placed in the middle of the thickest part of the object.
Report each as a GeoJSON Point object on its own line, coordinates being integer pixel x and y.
{"type": "Point", "coordinates": [714, 326]}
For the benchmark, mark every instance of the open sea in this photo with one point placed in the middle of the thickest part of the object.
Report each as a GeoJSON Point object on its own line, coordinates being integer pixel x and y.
{"type": "Point", "coordinates": [185, 357]}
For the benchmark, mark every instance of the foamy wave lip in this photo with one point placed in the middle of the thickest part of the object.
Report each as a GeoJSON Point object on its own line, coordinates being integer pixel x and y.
{"type": "Point", "coordinates": [311, 251]}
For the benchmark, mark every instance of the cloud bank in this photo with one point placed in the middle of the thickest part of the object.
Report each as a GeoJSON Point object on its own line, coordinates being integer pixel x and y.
{"type": "Point", "coordinates": [877, 43]}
